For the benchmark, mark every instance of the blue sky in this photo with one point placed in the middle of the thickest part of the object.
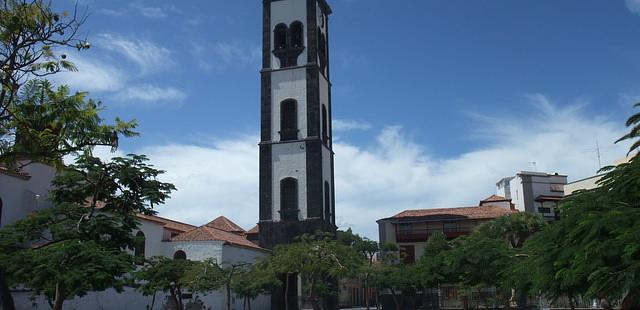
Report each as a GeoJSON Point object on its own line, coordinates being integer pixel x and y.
{"type": "Point", "coordinates": [434, 101]}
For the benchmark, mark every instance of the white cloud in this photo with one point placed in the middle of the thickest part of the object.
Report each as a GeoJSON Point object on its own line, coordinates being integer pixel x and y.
{"type": "Point", "coordinates": [347, 125]}
{"type": "Point", "coordinates": [225, 55]}
{"type": "Point", "coordinates": [151, 93]}
{"type": "Point", "coordinates": [92, 75]}
{"type": "Point", "coordinates": [633, 6]}
{"type": "Point", "coordinates": [394, 173]}
{"type": "Point", "coordinates": [146, 54]}
{"type": "Point", "coordinates": [149, 11]}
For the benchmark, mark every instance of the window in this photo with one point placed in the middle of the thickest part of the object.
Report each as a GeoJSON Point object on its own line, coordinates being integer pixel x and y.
{"type": "Point", "coordinates": [139, 249]}
{"type": "Point", "coordinates": [0, 212]}
{"type": "Point", "coordinates": [408, 254]}
{"type": "Point", "coordinates": [297, 34]}
{"type": "Point", "coordinates": [322, 49]}
{"type": "Point", "coordinates": [325, 133]}
{"type": "Point", "coordinates": [404, 227]}
{"type": "Point", "coordinates": [450, 227]}
{"type": "Point", "coordinates": [288, 43]}
{"type": "Point", "coordinates": [289, 199]}
{"type": "Point", "coordinates": [327, 201]}
{"type": "Point", "coordinates": [280, 36]}
{"type": "Point", "coordinates": [288, 120]}
{"type": "Point", "coordinates": [180, 255]}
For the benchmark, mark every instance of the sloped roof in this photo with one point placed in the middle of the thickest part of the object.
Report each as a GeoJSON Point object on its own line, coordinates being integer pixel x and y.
{"type": "Point", "coordinates": [206, 233]}
{"type": "Point", "coordinates": [476, 212]}
{"type": "Point", "coordinates": [494, 198]}
{"type": "Point", "coordinates": [14, 173]}
{"type": "Point", "coordinates": [167, 223]}
{"type": "Point", "coordinates": [254, 230]}
{"type": "Point", "coordinates": [225, 224]}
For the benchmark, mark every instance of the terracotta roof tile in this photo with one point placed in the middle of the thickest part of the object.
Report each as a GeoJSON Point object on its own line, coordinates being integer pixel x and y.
{"type": "Point", "coordinates": [206, 233]}
{"type": "Point", "coordinates": [254, 230]}
{"type": "Point", "coordinates": [167, 223]}
{"type": "Point", "coordinates": [481, 212]}
{"type": "Point", "coordinates": [494, 198]}
{"type": "Point", "coordinates": [225, 224]}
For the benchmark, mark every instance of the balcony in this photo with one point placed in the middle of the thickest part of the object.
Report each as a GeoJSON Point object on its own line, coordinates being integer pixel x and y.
{"type": "Point", "coordinates": [421, 235]}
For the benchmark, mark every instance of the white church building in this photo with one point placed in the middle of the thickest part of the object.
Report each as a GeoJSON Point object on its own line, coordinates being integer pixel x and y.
{"type": "Point", "coordinates": [27, 191]}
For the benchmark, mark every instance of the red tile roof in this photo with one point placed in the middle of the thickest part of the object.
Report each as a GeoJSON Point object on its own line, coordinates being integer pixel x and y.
{"type": "Point", "coordinates": [225, 224]}
{"type": "Point", "coordinates": [549, 198]}
{"type": "Point", "coordinates": [494, 198]}
{"type": "Point", "coordinates": [167, 223]}
{"type": "Point", "coordinates": [206, 233]}
{"type": "Point", "coordinates": [254, 230]}
{"type": "Point", "coordinates": [481, 212]}
{"type": "Point", "coordinates": [14, 173]}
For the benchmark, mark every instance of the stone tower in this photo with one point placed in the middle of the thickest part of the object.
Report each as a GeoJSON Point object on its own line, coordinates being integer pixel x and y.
{"type": "Point", "coordinates": [296, 156]}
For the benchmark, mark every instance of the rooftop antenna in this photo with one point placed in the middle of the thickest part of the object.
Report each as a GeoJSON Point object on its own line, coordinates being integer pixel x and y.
{"type": "Point", "coordinates": [598, 151]}
{"type": "Point", "coordinates": [535, 166]}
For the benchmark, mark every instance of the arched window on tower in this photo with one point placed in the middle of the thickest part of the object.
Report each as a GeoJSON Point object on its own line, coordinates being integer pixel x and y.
{"type": "Point", "coordinates": [179, 255]}
{"type": "Point", "coordinates": [327, 202]}
{"type": "Point", "coordinates": [297, 34]}
{"type": "Point", "coordinates": [322, 49]}
{"type": "Point", "coordinates": [280, 37]}
{"type": "Point", "coordinates": [289, 199]}
{"type": "Point", "coordinates": [140, 242]}
{"type": "Point", "coordinates": [325, 126]}
{"type": "Point", "coordinates": [288, 120]}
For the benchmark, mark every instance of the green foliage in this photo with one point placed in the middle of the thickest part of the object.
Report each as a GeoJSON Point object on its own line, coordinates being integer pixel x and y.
{"type": "Point", "coordinates": [514, 228]}
{"type": "Point", "coordinates": [80, 244]}
{"type": "Point", "coordinates": [31, 34]}
{"type": "Point", "coordinates": [167, 275]}
{"type": "Point", "coordinates": [431, 266]}
{"type": "Point", "coordinates": [634, 133]}
{"type": "Point", "coordinates": [45, 124]}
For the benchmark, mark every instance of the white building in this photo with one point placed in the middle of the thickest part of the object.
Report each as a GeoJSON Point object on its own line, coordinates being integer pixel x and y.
{"type": "Point", "coordinates": [534, 192]}
{"type": "Point", "coordinates": [24, 192]}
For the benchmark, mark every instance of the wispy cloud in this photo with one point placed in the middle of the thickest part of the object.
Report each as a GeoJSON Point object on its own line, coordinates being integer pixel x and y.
{"type": "Point", "coordinates": [339, 125]}
{"type": "Point", "coordinates": [149, 11]}
{"type": "Point", "coordinates": [92, 75]}
{"type": "Point", "coordinates": [633, 6]}
{"type": "Point", "coordinates": [150, 93]}
{"type": "Point", "coordinates": [146, 54]}
{"type": "Point", "coordinates": [225, 55]}
{"type": "Point", "coordinates": [395, 173]}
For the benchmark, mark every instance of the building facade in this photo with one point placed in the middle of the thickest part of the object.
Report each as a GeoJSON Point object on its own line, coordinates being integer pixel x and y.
{"type": "Point", "coordinates": [534, 192]}
{"type": "Point", "coordinates": [296, 155]}
{"type": "Point", "coordinates": [411, 229]}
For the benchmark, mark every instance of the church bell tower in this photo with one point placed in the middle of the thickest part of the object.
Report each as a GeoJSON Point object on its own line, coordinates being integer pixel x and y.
{"type": "Point", "coordinates": [296, 156]}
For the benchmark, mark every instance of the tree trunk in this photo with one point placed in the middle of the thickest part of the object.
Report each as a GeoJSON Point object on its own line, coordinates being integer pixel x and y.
{"type": "Point", "coordinates": [395, 300]}
{"type": "Point", "coordinates": [377, 299]}
{"type": "Point", "coordinates": [632, 300]}
{"type": "Point", "coordinates": [286, 292]}
{"type": "Point", "coordinates": [153, 301]}
{"type": "Point", "coordinates": [59, 299]}
{"type": "Point", "coordinates": [248, 303]}
{"type": "Point", "coordinates": [175, 299]}
{"type": "Point", "coordinates": [6, 300]}
{"type": "Point", "coordinates": [366, 290]}
{"type": "Point", "coordinates": [228, 296]}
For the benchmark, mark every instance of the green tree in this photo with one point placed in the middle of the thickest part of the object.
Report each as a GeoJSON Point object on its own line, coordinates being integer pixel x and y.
{"type": "Point", "coordinates": [319, 260]}
{"type": "Point", "coordinates": [399, 278]}
{"type": "Point", "coordinates": [31, 33]}
{"type": "Point", "coordinates": [81, 244]}
{"type": "Point", "coordinates": [367, 250]}
{"type": "Point", "coordinates": [431, 267]}
{"type": "Point", "coordinates": [172, 276]}
{"type": "Point", "coordinates": [251, 282]}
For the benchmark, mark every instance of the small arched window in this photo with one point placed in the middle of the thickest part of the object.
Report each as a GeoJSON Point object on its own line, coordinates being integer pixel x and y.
{"type": "Point", "coordinates": [289, 199]}
{"type": "Point", "coordinates": [297, 34]}
{"type": "Point", "coordinates": [0, 212]}
{"type": "Point", "coordinates": [322, 49]}
{"type": "Point", "coordinates": [325, 126]}
{"type": "Point", "coordinates": [280, 37]}
{"type": "Point", "coordinates": [327, 201]}
{"type": "Point", "coordinates": [180, 255]}
{"type": "Point", "coordinates": [288, 120]}
{"type": "Point", "coordinates": [140, 243]}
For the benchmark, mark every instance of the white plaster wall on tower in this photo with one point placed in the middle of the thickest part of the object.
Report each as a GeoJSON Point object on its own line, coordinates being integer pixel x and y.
{"type": "Point", "coordinates": [289, 160]}
{"type": "Point", "coordinates": [289, 84]}
{"type": "Point", "coordinates": [20, 196]}
{"type": "Point", "coordinates": [286, 12]}
{"type": "Point", "coordinates": [232, 254]}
